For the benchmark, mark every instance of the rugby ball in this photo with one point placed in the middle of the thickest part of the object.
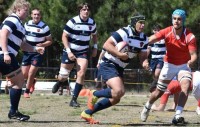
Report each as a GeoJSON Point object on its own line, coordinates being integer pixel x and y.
{"type": "Point", "coordinates": [122, 46]}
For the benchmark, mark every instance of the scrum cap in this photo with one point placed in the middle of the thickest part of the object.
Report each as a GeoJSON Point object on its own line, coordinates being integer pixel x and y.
{"type": "Point", "coordinates": [137, 18]}
{"type": "Point", "coordinates": [181, 13]}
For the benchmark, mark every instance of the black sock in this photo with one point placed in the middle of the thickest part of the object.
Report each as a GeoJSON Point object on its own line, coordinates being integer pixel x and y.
{"type": "Point", "coordinates": [15, 95]}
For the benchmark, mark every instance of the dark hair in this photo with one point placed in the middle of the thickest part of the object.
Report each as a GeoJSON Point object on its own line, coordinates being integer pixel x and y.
{"type": "Point", "coordinates": [156, 27]}
{"type": "Point", "coordinates": [80, 6]}
{"type": "Point", "coordinates": [37, 10]}
{"type": "Point", "coordinates": [137, 17]}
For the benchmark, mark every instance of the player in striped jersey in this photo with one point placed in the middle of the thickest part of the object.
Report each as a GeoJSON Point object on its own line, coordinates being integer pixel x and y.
{"type": "Point", "coordinates": [76, 37]}
{"type": "Point", "coordinates": [181, 54]}
{"type": "Point", "coordinates": [114, 62]}
{"type": "Point", "coordinates": [37, 34]}
{"type": "Point", "coordinates": [156, 52]}
{"type": "Point", "coordinates": [12, 39]}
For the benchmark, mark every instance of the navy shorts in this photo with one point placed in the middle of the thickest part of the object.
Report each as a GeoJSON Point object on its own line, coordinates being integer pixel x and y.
{"type": "Point", "coordinates": [156, 64]}
{"type": "Point", "coordinates": [8, 68]}
{"type": "Point", "coordinates": [108, 70]}
{"type": "Point", "coordinates": [66, 60]}
{"type": "Point", "coordinates": [34, 59]}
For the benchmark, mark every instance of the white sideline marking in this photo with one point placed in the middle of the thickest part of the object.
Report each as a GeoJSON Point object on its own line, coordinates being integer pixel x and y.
{"type": "Point", "coordinates": [39, 85]}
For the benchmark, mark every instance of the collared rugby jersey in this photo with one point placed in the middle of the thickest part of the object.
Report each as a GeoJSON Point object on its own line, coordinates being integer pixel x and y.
{"type": "Point", "coordinates": [17, 31]}
{"type": "Point", "coordinates": [36, 33]}
{"type": "Point", "coordinates": [137, 43]}
{"type": "Point", "coordinates": [79, 33]}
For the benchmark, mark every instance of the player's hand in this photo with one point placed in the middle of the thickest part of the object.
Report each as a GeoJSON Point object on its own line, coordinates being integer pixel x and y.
{"type": "Point", "coordinates": [190, 64]}
{"type": "Point", "coordinates": [39, 45]}
{"type": "Point", "coordinates": [123, 56]}
{"type": "Point", "coordinates": [145, 65]}
{"type": "Point", "coordinates": [7, 58]}
{"type": "Point", "coordinates": [40, 49]}
{"type": "Point", "coordinates": [71, 56]}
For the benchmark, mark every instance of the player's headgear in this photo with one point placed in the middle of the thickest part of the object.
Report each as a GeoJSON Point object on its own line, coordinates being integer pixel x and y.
{"type": "Point", "coordinates": [137, 18]}
{"type": "Point", "coordinates": [181, 13]}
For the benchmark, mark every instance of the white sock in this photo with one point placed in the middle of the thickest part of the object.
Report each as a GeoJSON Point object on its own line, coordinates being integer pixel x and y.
{"type": "Point", "coordinates": [148, 105]}
{"type": "Point", "coordinates": [179, 110]}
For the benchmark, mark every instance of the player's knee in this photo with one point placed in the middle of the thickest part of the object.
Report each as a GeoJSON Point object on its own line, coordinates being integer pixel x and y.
{"type": "Point", "coordinates": [161, 86]}
{"type": "Point", "coordinates": [63, 74]}
{"type": "Point", "coordinates": [117, 94]}
{"type": "Point", "coordinates": [81, 74]}
{"type": "Point", "coordinates": [184, 75]}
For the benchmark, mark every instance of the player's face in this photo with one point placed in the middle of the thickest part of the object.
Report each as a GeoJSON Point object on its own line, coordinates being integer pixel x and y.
{"type": "Point", "coordinates": [85, 12]}
{"type": "Point", "coordinates": [139, 26]}
{"type": "Point", "coordinates": [177, 21]}
{"type": "Point", "coordinates": [36, 16]}
{"type": "Point", "coordinates": [23, 12]}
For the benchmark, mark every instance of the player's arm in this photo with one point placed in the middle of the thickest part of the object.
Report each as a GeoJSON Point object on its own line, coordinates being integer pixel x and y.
{"type": "Point", "coordinates": [144, 59]}
{"type": "Point", "coordinates": [48, 42]}
{"type": "Point", "coordinates": [67, 47]}
{"type": "Point", "coordinates": [193, 59]}
{"type": "Point", "coordinates": [148, 50]}
{"type": "Point", "coordinates": [29, 48]}
{"type": "Point", "coordinates": [109, 46]}
{"type": "Point", "coordinates": [100, 57]}
{"type": "Point", "coordinates": [152, 39]}
{"type": "Point", "coordinates": [4, 45]}
{"type": "Point", "coordinates": [94, 51]}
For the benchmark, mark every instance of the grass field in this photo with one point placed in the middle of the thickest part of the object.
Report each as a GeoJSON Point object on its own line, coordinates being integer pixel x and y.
{"type": "Point", "coordinates": [52, 110]}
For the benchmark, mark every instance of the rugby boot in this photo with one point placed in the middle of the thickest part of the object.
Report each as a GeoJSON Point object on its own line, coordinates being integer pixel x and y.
{"type": "Point", "coordinates": [19, 116]}
{"type": "Point", "coordinates": [88, 118]}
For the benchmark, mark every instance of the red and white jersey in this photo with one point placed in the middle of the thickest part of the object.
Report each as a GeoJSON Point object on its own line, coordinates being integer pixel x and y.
{"type": "Point", "coordinates": [177, 49]}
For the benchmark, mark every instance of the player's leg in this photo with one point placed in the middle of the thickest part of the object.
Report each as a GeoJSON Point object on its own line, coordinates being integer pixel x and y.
{"type": "Point", "coordinates": [65, 68]}
{"type": "Point", "coordinates": [64, 72]}
{"type": "Point", "coordinates": [184, 78]}
{"type": "Point", "coordinates": [164, 79]}
{"type": "Point", "coordinates": [81, 68]}
{"type": "Point", "coordinates": [112, 94]}
{"type": "Point", "coordinates": [13, 72]}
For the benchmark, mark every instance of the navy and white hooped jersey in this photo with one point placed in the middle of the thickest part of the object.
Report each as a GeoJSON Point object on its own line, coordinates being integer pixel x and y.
{"type": "Point", "coordinates": [158, 50]}
{"type": "Point", "coordinates": [137, 43]}
{"type": "Point", "coordinates": [17, 32]}
{"type": "Point", "coordinates": [36, 33]}
{"type": "Point", "coordinates": [79, 33]}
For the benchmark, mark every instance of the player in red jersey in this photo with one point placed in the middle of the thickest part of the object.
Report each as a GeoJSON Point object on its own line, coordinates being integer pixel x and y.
{"type": "Point", "coordinates": [181, 54]}
{"type": "Point", "coordinates": [174, 88]}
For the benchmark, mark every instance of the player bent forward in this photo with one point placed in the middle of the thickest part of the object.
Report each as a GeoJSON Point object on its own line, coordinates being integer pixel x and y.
{"type": "Point", "coordinates": [113, 64]}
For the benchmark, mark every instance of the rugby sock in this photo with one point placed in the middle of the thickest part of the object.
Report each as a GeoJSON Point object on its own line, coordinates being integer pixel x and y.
{"type": "Point", "coordinates": [148, 105]}
{"type": "Point", "coordinates": [179, 110]}
{"type": "Point", "coordinates": [15, 95]}
{"type": "Point", "coordinates": [103, 104]}
{"type": "Point", "coordinates": [77, 89]}
{"type": "Point", "coordinates": [103, 93]}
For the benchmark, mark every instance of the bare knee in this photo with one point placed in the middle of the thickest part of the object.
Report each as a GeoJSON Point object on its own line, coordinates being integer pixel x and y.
{"type": "Point", "coordinates": [117, 94]}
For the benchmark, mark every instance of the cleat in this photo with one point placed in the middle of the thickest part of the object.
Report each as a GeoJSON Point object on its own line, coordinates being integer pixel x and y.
{"type": "Point", "coordinates": [33, 86]}
{"type": "Point", "coordinates": [144, 114]}
{"type": "Point", "coordinates": [198, 110]}
{"type": "Point", "coordinates": [178, 120]}
{"type": "Point", "coordinates": [26, 95]}
{"type": "Point", "coordinates": [19, 116]}
{"type": "Point", "coordinates": [92, 100]}
{"type": "Point", "coordinates": [56, 87]}
{"type": "Point", "coordinates": [74, 103]}
{"type": "Point", "coordinates": [88, 118]}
